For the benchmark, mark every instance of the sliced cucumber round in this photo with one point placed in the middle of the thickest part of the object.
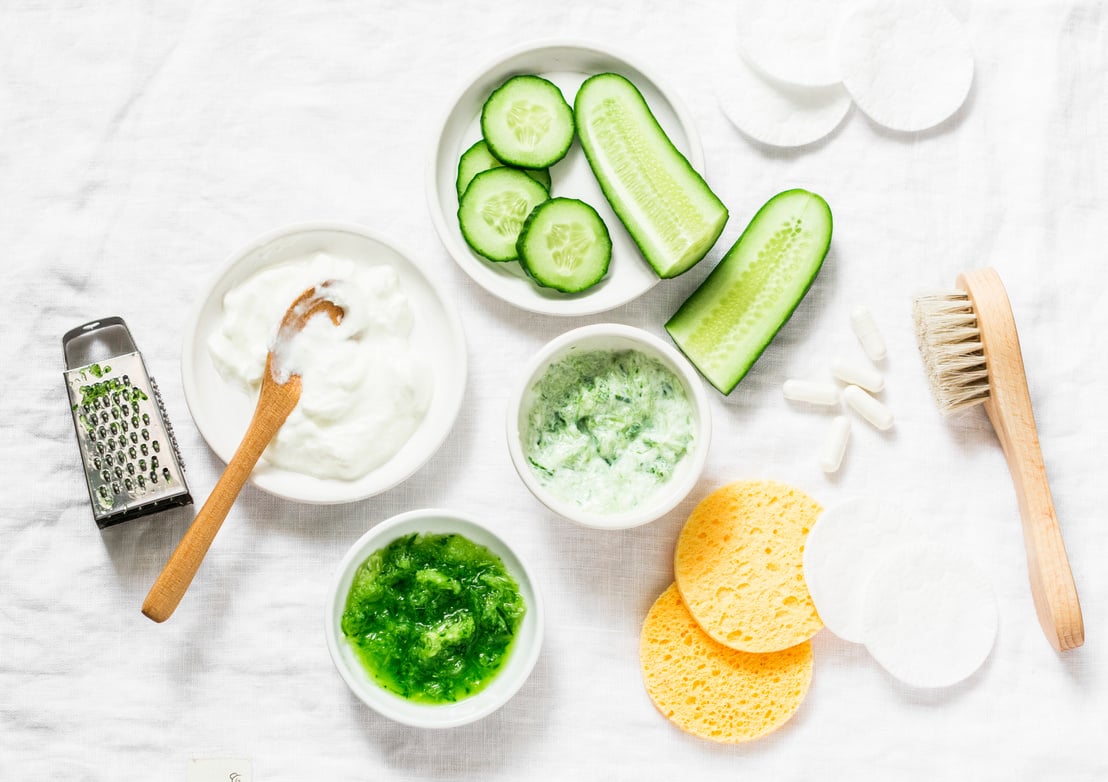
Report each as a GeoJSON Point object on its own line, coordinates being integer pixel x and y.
{"type": "Point", "coordinates": [527, 122]}
{"type": "Point", "coordinates": [478, 158]}
{"type": "Point", "coordinates": [565, 245]}
{"type": "Point", "coordinates": [493, 209]}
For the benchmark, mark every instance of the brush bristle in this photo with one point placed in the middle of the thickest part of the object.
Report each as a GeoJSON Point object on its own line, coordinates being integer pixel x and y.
{"type": "Point", "coordinates": [950, 344]}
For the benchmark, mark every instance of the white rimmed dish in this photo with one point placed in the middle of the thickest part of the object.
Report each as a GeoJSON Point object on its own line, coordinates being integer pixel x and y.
{"type": "Point", "coordinates": [612, 336]}
{"type": "Point", "coordinates": [567, 64]}
{"type": "Point", "coordinates": [222, 411]}
{"type": "Point", "coordinates": [522, 655]}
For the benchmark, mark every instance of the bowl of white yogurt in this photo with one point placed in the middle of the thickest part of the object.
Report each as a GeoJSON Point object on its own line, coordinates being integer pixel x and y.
{"type": "Point", "coordinates": [609, 426]}
{"type": "Point", "coordinates": [380, 391]}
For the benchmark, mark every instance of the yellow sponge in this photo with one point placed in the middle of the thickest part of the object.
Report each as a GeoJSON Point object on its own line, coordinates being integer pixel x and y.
{"type": "Point", "coordinates": [710, 690]}
{"type": "Point", "coordinates": [740, 566]}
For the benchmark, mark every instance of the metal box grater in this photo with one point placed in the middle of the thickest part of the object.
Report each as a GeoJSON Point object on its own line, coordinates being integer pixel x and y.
{"type": "Point", "coordinates": [132, 464]}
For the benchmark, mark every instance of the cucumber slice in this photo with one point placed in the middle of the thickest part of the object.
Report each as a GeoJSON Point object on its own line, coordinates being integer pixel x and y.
{"type": "Point", "coordinates": [493, 208]}
{"type": "Point", "coordinates": [565, 245]}
{"type": "Point", "coordinates": [478, 158]}
{"type": "Point", "coordinates": [666, 206]}
{"type": "Point", "coordinates": [527, 123]}
{"type": "Point", "coordinates": [730, 319]}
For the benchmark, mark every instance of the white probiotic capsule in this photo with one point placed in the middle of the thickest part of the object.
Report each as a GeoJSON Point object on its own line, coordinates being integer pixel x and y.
{"type": "Point", "coordinates": [855, 373]}
{"type": "Point", "coordinates": [835, 445]}
{"type": "Point", "coordinates": [869, 408]}
{"type": "Point", "coordinates": [865, 328]}
{"type": "Point", "coordinates": [813, 392]}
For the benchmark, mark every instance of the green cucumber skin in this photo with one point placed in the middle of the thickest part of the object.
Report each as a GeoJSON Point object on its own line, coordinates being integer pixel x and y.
{"type": "Point", "coordinates": [665, 268]}
{"type": "Point", "coordinates": [536, 274]}
{"type": "Point", "coordinates": [692, 313]}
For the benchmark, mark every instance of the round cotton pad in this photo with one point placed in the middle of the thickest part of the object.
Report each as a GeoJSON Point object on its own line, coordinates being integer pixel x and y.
{"type": "Point", "coordinates": [710, 690]}
{"type": "Point", "coordinates": [739, 566]}
{"type": "Point", "coordinates": [776, 113]}
{"type": "Point", "coordinates": [792, 41]}
{"type": "Point", "coordinates": [843, 548]}
{"type": "Point", "coordinates": [908, 65]}
{"type": "Point", "coordinates": [930, 616]}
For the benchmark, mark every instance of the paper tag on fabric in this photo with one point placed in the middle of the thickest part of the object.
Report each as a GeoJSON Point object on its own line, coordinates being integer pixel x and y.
{"type": "Point", "coordinates": [219, 770]}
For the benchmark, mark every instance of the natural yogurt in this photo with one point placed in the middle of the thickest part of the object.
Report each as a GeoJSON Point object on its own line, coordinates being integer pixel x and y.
{"type": "Point", "coordinates": [364, 388]}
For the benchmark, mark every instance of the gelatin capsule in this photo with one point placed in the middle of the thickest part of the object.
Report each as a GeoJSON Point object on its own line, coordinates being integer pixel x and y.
{"type": "Point", "coordinates": [834, 446]}
{"type": "Point", "coordinates": [855, 373]}
{"type": "Point", "coordinates": [814, 392]}
{"type": "Point", "coordinates": [873, 410]}
{"type": "Point", "coordinates": [865, 328]}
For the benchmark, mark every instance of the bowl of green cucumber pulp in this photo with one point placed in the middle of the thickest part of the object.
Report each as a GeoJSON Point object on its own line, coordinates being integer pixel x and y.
{"type": "Point", "coordinates": [567, 181]}
{"type": "Point", "coordinates": [609, 426]}
{"type": "Point", "coordinates": [433, 620]}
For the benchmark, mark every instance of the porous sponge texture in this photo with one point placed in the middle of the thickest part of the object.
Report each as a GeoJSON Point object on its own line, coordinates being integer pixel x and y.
{"type": "Point", "coordinates": [713, 691]}
{"type": "Point", "coordinates": [740, 566]}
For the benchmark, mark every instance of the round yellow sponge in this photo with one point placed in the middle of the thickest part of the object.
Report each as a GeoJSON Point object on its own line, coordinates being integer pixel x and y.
{"type": "Point", "coordinates": [710, 690]}
{"type": "Point", "coordinates": [740, 566]}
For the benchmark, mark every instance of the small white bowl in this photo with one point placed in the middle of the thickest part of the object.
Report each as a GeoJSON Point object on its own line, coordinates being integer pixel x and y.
{"type": "Point", "coordinates": [567, 63]}
{"type": "Point", "coordinates": [521, 657]}
{"type": "Point", "coordinates": [611, 336]}
{"type": "Point", "coordinates": [222, 411]}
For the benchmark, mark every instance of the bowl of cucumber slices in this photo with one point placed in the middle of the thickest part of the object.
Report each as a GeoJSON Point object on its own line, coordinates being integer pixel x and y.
{"type": "Point", "coordinates": [519, 189]}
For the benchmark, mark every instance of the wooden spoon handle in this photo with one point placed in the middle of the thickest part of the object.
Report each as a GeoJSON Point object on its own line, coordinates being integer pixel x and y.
{"type": "Point", "coordinates": [175, 578]}
{"type": "Point", "coordinates": [1009, 409]}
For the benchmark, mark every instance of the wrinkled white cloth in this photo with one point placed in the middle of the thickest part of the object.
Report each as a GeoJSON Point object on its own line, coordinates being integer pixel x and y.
{"type": "Point", "coordinates": [142, 143]}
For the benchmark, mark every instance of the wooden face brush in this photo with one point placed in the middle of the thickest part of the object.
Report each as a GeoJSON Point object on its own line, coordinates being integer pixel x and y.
{"type": "Point", "coordinates": [971, 351]}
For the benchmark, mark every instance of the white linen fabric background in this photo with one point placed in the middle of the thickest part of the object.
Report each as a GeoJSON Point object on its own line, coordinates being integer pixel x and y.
{"type": "Point", "coordinates": [142, 143]}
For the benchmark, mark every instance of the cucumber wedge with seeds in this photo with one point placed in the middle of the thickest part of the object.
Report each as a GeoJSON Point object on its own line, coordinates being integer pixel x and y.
{"type": "Point", "coordinates": [493, 208]}
{"type": "Point", "coordinates": [666, 206]}
{"type": "Point", "coordinates": [730, 319]}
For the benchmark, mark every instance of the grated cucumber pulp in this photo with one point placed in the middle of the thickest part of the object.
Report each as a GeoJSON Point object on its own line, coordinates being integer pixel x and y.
{"type": "Point", "coordinates": [607, 428]}
{"type": "Point", "coordinates": [433, 617]}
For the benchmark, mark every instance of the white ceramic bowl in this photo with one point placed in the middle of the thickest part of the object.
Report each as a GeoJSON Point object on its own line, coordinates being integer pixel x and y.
{"type": "Point", "coordinates": [522, 656]}
{"type": "Point", "coordinates": [222, 411]}
{"type": "Point", "coordinates": [610, 336]}
{"type": "Point", "coordinates": [567, 64]}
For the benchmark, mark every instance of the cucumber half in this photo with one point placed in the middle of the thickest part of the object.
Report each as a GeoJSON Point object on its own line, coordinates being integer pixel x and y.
{"type": "Point", "coordinates": [730, 319]}
{"type": "Point", "coordinates": [527, 123]}
{"type": "Point", "coordinates": [565, 245]}
{"type": "Point", "coordinates": [478, 158]}
{"type": "Point", "coordinates": [666, 206]}
{"type": "Point", "coordinates": [493, 208]}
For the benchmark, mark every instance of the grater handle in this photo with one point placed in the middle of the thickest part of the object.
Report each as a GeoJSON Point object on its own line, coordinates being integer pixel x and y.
{"type": "Point", "coordinates": [274, 406]}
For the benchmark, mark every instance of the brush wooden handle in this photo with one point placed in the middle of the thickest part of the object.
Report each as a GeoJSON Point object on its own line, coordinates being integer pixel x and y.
{"type": "Point", "coordinates": [1009, 410]}
{"type": "Point", "coordinates": [275, 403]}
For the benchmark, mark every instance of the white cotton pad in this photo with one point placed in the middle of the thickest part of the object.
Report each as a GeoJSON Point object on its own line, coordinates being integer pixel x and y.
{"type": "Point", "coordinates": [791, 41]}
{"type": "Point", "coordinates": [774, 113]}
{"type": "Point", "coordinates": [844, 546]}
{"type": "Point", "coordinates": [907, 63]}
{"type": "Point", "coordinates": [930, 616]}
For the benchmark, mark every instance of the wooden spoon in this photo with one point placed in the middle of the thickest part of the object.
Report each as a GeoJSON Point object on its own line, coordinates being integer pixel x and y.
{"type": "Point", "coordinates": [279, 395]}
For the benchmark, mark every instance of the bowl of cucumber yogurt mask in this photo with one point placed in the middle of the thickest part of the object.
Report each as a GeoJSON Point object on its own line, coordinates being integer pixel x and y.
{"type": "Point", "coordinates": [609, 426]}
